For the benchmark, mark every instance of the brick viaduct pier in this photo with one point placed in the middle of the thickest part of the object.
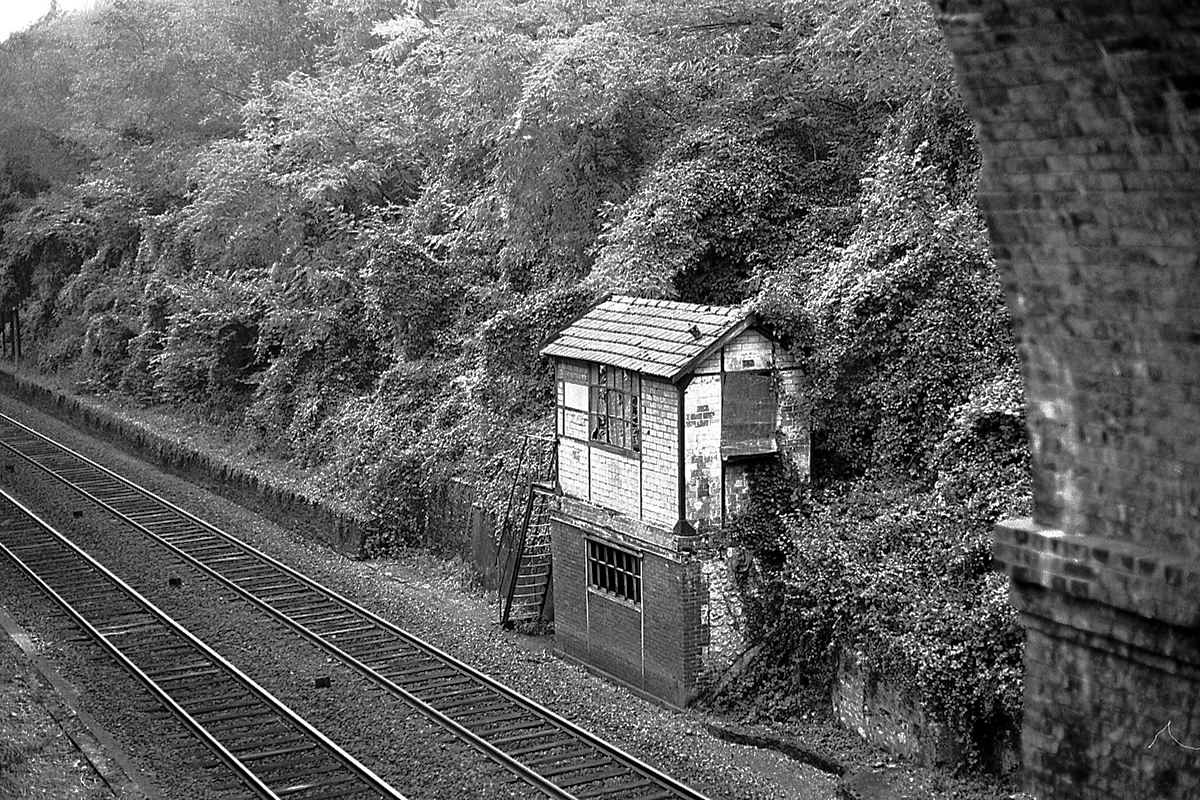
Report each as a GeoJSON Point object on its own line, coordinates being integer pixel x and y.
{"type": "Point", "coordinates": [1088, 116]}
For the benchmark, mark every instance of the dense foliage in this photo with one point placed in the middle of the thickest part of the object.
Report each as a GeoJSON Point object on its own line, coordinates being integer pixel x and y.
{"type": "Point", "coordinates": [343, 226]}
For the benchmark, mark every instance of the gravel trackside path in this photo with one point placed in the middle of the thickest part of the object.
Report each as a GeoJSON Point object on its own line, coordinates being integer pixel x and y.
{"type": "Point", "coordinates": [417, 592]}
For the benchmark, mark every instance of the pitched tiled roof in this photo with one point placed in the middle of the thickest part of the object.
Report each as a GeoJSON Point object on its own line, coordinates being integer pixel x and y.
{"type": "Point", "coordinates": [656, 337]}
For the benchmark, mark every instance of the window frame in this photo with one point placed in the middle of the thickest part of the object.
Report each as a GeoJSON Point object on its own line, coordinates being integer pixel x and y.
{"type": "Point", "coordinates": [613, 571]}
{"type": "Point", "coordinates": [615, 408]}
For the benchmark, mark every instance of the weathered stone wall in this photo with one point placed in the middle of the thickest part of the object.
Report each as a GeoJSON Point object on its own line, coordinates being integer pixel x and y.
{"type": "Point", "coordinates": [722, 615]}
{"type": "Point", "coordinates": [1088, 116]}
{"type": "Point", "coordinates": [883, 713]}
{"type": "Point", "coordinates": [887, 716]}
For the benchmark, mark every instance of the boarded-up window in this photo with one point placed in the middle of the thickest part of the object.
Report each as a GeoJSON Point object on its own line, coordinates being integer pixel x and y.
{"type": "Point", "coordinates": [747, 414]}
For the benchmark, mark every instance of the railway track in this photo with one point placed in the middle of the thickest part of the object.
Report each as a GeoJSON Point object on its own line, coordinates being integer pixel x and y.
{"type": "Point", "coordinates": [271, 750]}
{"type": "Point", "coordinates": [531, 741]}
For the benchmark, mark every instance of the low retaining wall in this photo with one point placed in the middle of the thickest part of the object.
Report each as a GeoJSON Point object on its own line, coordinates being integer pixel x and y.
{"type": "Point", "coordinates": [889, 717]}
{"type": "Point", "coordinates": [340, 529]}
{"type": "Point", "coordinates": [460, 528]}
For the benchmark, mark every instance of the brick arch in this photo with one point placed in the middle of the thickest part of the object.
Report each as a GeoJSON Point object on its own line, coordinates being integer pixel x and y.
{"type": "Point", "coordinates": [1088, 116]}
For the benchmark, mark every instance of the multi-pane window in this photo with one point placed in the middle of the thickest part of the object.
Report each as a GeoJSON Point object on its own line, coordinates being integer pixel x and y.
{"type": "Point", "coordinates": [614, 571]}
{"type": "Point", "coordinates": [615, 416]}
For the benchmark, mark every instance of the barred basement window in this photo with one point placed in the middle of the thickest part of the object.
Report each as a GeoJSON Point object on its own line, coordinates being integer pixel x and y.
{"type": "Point", "coordinates": [614, 405]}
{"type": "Point", "coordinates": [615, 572]}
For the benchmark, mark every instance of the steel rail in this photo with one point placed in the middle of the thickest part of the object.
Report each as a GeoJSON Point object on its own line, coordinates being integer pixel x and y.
{"type": "Point", "coordinates": [672, 787]}
{"type": "Point", "coordinates": [244, 772]}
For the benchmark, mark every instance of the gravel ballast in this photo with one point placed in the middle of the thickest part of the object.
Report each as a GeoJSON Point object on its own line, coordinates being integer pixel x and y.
{"type": "Point", "coordinates": [418, 592]}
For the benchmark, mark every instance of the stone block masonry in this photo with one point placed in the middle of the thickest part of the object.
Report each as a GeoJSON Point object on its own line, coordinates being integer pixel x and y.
{"type": "Point", "coordinates": [1088, 118]}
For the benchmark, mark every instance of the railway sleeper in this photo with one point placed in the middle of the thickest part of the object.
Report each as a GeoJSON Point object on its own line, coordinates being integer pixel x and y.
{"type": "Point", "coordinates": [29, 547]}
{"type": "Point", "coordinates": [258, 567]}
{"type": "Point", "coordinates": [304, 787]}
{"type": "Point", "coordinates": [621, 791]}
{"type": "Point", "coordinates": [111, 495]}
{"type": "Point", "coordinates": [147, 645]}
{"type": "Point", "coordinates": [424, 681]}
{"type": "Point", "coordinates": [366, 642]}
{"type": "Point", "coordinates": [585, 776]}
{"type": "Point", "coordinates": [175, 531]}
{"type": "Point", "coordinates": [237, 719]}
{"type": "Point", "coordinates": [146, 649]}
{"type": "Point", "coordinates": [467, 718]}
{"type": "Point", "coordinates": [434, 691]}
{"type": "Point", "coordinates": [144, 506]}
{"type": "Point", "coordinates": [305, 599]}
{"type": "Point", "coordinates": [480, 695]}
{"type": "Point", "coordinates": [361, 628]}
{"type": "Point", "coordinates": [312, 783]}
{"type": "Point", "coordinates": [232, 556]}
{"type": "Point", "coordinates": [302, 763]}
{"type": "Point", "coordinates": [199, 673]}
{"type": "Point", "coordinates": [148, 518]}
{"type": "Point", "coordinates": [51, 567]}
{"type": "Point", "coordinates": [337, 786]}
{"type": "Point", "coordinates": [328, 614]}
{"type": "Point", "coordinates": [553, 734]}
{"type": "Point", "coordinates": [270, 587]}
{"type": "Point", "coordinates": [185, 536]}
{"type": "Point", "coordinates": [284, 747]}
{"type": "Point", "coordinates": [218, 703]}
{"type": "Point", "coordinates": [426, 664]}
{"type": "Point", "coordinates": [113, 628]}
{"type": "Point", "coordinates": [519, 717]}
{"type": "Point", "coordinates": [390, 648]}
{"type": "Point", "coordinates": [203, 549]}
{"type": "Point", "coordinates": [550, 758]}
{"type": "Point", "coordinates": [170, 670]}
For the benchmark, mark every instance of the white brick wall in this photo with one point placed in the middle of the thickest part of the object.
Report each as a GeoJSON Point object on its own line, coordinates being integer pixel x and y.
{"type": "Point", "coordinates": [573, 468]}
{"type": "Point", "coordinates": [615, 482]}
{"type": "Point", "coordinates": [576, 371]}
{"type": "Point", "coordinates": [660, 452]}
{"type": "Point", "coordinates": [749, 350]}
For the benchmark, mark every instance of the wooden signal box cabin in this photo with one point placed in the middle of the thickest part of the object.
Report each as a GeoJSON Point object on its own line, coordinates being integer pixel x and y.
{"type": "Point", "coordinates": [662, 408]}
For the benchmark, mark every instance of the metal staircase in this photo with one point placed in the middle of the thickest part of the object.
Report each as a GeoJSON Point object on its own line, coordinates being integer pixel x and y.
{"type": "Point", "coordinates": [529, 570]}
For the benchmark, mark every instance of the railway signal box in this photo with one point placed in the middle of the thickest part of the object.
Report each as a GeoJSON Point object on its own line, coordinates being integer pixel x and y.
{"type": "Point", "coordinates": [663, 408]}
